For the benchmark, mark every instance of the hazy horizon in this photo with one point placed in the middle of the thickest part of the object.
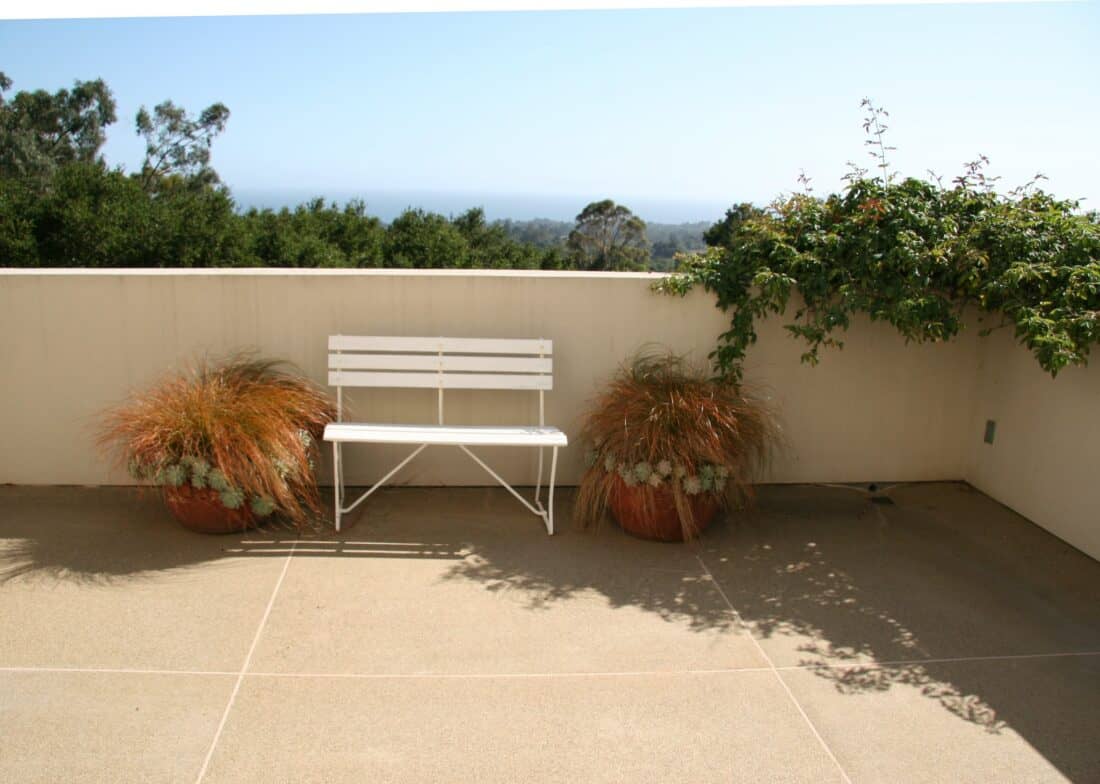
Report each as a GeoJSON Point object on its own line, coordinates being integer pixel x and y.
{"type": "Point", "coordinates": [388, 204]}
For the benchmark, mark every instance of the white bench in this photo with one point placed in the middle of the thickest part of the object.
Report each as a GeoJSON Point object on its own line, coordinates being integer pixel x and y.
{"type": "Point", "coordinates": [442, 363]}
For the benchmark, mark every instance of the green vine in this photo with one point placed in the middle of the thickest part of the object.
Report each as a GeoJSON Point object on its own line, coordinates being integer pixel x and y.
{"type": "Point", "coordinates": [913, 253]}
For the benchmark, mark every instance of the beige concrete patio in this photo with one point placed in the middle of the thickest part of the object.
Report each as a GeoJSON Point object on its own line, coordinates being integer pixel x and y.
{"type": "Point", "coordinates": [444, 637]}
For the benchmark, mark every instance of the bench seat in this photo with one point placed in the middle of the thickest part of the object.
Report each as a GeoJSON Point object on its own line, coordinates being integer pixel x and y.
{"type": "Point", "coordinates": [365, 433]}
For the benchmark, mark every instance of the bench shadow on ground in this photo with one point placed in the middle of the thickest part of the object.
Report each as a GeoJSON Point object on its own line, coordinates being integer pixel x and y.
{"type": "Point", "coordinates": [111, 536]}
{"type": "Point", "coordinates": [925, 593]}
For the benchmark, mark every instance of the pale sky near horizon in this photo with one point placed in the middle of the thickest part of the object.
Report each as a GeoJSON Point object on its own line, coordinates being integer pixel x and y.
{"type": "Point", "coordinates": [707, 105]}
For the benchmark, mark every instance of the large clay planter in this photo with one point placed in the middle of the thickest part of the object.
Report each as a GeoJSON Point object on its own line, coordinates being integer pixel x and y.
{"type": "Point", "coordinates": [627, 507]}
{"type": "Point", "coordinates": [202, 511]}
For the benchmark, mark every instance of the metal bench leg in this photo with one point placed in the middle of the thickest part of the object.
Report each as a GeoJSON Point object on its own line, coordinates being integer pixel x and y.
{"type": "Point", "coordinates": [538, 485]}
{"type": "Point", "coordinates": [340, 490]}
{"type": "Point", "coordinates": [550, 500]}
{"type": "Point", "coordinates": [547, 517]}
{"type": "Point", "coordinates": [337, 500]}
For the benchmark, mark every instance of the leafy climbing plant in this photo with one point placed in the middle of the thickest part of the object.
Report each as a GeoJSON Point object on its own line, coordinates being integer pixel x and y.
{"type": "Point", "coordinates": [914, 253]}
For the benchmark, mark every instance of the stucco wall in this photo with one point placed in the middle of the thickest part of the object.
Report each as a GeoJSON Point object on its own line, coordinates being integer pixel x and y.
{"type": "Point", "coordinates": [73, 342]}
{"type": "Point", "coordinates": [1044, 461]}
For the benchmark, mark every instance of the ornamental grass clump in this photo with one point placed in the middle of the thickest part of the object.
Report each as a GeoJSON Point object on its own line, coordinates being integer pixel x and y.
{"type": "Point", "coordinates": [241, 427]}
{"type": "Point", "coordinates": [665, 427]}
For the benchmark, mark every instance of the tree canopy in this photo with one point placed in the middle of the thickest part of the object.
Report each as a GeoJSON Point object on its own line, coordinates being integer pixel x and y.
{"type": "Point", "coordinates": [61, 205]}
{"type": "Point", "coordinates": [608, 236]}
{"type": "Point", "coordinates": [42, 131]}
{"type": "Point", "coordinates": [721, 234]}
{"type": "Point", "coordinates": [177, 144]}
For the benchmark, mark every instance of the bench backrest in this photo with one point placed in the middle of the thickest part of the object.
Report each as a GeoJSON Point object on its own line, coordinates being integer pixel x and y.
{"type": "Point", "coordinates": [440, 363]}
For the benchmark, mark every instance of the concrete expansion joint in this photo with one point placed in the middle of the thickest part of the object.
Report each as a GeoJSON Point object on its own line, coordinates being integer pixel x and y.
{"type": "Point", "coordinates": [244, 666]}
{"type": "Point", "coordinates": [775, 671]}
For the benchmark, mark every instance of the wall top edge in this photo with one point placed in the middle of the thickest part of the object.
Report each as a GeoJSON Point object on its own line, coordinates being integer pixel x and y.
{"type": "Point", "coordinates": [295, 272]}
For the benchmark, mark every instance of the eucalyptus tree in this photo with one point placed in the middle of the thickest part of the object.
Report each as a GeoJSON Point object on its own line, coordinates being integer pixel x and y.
{"type": "Point", "coordinates": [608, 236]}
{"type": "Point", "coordinates": [178, 144]}
{"type": "Point", "coordinates": [42, 131]}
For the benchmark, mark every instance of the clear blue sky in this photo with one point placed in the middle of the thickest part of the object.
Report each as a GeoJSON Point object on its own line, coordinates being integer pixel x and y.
{"type": "Point", "coordinates": [714, 106]}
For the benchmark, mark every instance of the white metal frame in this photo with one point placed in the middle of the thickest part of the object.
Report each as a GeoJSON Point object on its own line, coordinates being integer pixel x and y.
{"type": "Point", "coordinates": [479, 365]}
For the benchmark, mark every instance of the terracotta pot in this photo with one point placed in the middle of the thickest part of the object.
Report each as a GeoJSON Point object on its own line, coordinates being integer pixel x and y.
{"type": "Point", "coordinates": [628, 508]}
{"type": "Point", "coordinates": [203, 511]}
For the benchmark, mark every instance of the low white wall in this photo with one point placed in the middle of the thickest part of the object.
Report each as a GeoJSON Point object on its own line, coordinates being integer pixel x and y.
{"type": "Point", "coordinates": [73, 342]}
{"type": "Point", "coordinates": [1044, 461]}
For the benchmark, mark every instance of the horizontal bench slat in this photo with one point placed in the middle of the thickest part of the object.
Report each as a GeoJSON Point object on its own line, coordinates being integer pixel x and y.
{"type": "Point", "coordinates": [445, 435]}
{"type": "Point", "coordinates": [438, 344]}
{"type": "Point", "coordinates": [494, 364]}
{"type": "Point", "coordinates": [352, 378]}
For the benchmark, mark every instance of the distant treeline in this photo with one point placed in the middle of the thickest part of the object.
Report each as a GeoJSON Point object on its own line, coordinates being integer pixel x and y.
{"type": "Point", "coordinates": [665, 239]}
{"type": "Point", "coordinates": [61, 205]}
{"type": "Point", "coordinates": [91, 216]}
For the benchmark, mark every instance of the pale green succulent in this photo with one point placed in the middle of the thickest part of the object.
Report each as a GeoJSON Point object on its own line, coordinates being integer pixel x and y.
{"type": "Point", "coordinates": [232, 498]}
{"type": "Point", "coordinates": [710, 478]}
{"type": "Point", "coordinates": [262, 507]}
{"type": "Point", "coordinates": [198, 466]}
{"type": "Point", "coordinates": [216, 479]}
{"type": "Point", "coordinates": [174, 475]}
